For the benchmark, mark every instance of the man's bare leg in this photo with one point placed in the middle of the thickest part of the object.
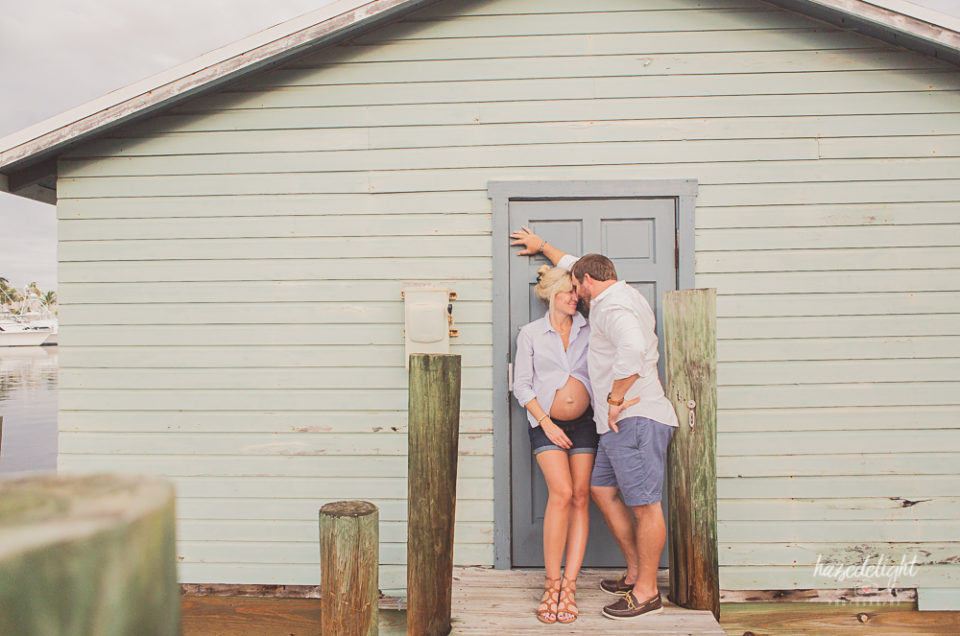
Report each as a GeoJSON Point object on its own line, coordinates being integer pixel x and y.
{"type": "Point", "coordinates": [651, 535]}
{"type": "Point", "coordinates": [622, 526]}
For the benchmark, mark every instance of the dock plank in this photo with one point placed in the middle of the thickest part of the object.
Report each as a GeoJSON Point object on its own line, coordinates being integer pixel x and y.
{"type": "Point", "coordinates": [487, 601]}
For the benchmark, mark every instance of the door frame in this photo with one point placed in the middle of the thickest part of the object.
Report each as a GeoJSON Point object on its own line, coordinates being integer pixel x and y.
{"type": "Point", "coordinates": [501, 193]}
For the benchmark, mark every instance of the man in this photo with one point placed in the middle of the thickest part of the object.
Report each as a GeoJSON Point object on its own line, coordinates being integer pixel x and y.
{"type": "Point", "coordinates": [636, 422]}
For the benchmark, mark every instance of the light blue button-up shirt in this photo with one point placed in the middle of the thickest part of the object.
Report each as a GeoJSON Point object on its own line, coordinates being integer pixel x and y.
{"type": "Point", "coordinates": [543, 366]}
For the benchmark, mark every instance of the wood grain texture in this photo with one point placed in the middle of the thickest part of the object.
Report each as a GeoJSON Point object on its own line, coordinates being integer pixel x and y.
{"type": "Point", "coordinates": [840, 618]}
{"type": "Point", "coordinates": [252, 616]}
{"type": "Point", "coordinates": [487, 601]}
{"type": "Point", "coordinates": [434, 418]}
{"type": "Point", "coordinates": [690, 349]}
{"type": "Point", "coordinates": [349, 562]}
{"type": "Point", "coordinates": [88, 555]}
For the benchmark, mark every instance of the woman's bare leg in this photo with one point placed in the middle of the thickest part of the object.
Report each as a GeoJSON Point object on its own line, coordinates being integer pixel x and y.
{"type": "Point", "coordinates": [556, 519]}
{"type": "Point", "coordinates": [581, 465]}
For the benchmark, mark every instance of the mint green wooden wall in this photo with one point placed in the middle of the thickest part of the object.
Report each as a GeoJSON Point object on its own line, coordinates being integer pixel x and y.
{"type": "Point", "coordinates": [230, 273]}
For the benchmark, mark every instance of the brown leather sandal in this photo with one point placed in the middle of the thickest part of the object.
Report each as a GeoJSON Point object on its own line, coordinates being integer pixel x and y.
{"type": "Point", "coordinates": [567, 610]}
{"type": "Point", "coordinates": [547, 610]}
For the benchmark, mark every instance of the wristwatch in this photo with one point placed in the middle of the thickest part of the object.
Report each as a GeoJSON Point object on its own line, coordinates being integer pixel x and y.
{"type": "Point", "coordinates": [613, 402]}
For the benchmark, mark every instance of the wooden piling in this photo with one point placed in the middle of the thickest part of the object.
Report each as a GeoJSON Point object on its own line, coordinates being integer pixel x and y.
{"type": "Point", "coordinates": [349, 570]}
{"type": "Point", "coordinates": [433, 431]}
{"type": "Point", "coordinates": [690, 343]}
{"type": "Point", "coordinates": [91, 554]}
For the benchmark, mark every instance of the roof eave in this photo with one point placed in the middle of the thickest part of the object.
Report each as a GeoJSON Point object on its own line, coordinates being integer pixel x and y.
{"type": "Point", "coordinates": [879, 19]}
{"type": "Point", "coordinates": [28, 157]}
{"type": "Point", "coordinates": [41, 143]}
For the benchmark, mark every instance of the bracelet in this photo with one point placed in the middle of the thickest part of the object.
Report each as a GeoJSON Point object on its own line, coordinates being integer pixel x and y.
{"type": "Point", "coordinates": [540, 249]}
{"type": "Point", "coordinates": [545, 416]}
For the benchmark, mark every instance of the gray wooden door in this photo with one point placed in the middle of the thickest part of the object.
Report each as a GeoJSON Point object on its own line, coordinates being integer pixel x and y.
{"type": "Point", "coordinates": [639, 236]}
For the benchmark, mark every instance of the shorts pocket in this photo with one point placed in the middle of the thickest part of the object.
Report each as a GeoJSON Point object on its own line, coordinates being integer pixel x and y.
{"type": "Point", "coordinates": [641, 433]}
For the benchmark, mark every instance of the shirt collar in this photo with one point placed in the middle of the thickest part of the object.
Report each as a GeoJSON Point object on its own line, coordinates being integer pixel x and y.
{"type": "Point", "coordinates": [578, 322]}
{"type": "Point", "coordinates": [606, 292]}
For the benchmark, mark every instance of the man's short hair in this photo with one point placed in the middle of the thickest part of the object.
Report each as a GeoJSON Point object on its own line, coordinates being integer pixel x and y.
{"type": "Point", "coordinates": [598, 266]}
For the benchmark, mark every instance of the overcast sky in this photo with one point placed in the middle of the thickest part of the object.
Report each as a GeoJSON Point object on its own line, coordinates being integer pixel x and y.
{"type": "Point", "coordinates": [55, 55]}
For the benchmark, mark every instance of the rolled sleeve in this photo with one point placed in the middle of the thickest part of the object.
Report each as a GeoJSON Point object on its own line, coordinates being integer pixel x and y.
{"type": "Point", "coordinates": [627, 332]}
{"type": "Point", "coordinates": [567, 261]}
{"type": "Point", "coordinates": [523, 370]}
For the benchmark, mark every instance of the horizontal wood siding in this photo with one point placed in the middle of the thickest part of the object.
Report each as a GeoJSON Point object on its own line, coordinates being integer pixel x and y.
{"type": "Point", "coordinates": [230, 273]}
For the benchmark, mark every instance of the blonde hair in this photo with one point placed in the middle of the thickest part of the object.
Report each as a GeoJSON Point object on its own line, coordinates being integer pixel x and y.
{"type": "Point", "coordinates": [550, 282]}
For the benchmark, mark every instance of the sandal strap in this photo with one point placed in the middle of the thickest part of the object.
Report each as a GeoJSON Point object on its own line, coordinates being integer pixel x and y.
{"type": "Point", "coordinates": [549, 598]}
{"type": "Point", "coordinates": [567, 602]}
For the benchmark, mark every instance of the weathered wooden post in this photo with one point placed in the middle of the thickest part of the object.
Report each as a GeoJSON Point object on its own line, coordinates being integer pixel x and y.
{"type": "Point", "coordinates": [690, 343]}
{"type": "Point", "coordinates": [433, 431]}
{"type": "Point", "coordinates": [349, 569]}
{"type": "Point", "coordinates": [91, 554]}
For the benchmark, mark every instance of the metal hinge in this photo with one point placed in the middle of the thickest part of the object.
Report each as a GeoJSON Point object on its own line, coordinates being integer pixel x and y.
{"type": "Point", "coordinates": [509, 377]}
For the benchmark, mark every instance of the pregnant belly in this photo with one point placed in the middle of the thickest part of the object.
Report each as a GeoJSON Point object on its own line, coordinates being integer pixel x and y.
{"type": "Point", "coordinates": [571, 401]}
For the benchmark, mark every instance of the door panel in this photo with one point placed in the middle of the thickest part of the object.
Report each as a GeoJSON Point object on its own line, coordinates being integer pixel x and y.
{"type": "Point", "coordinates": [639, 235]}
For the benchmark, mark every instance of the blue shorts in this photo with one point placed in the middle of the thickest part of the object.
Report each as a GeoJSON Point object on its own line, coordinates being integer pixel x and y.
{"type": "Point", "coordinates": [633, 460]}
{"type": "Point", "coordinates": [581, 431]}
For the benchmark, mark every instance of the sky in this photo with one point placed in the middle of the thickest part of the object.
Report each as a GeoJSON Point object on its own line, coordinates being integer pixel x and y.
{"type": "Point", "coordinates": [56, 55]}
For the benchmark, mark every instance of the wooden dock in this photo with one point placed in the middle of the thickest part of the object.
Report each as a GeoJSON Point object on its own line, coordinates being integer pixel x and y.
{"type": "Point", "coordinates": [512, 597]}
{"type": "Point", "coordinates": [487, 601]}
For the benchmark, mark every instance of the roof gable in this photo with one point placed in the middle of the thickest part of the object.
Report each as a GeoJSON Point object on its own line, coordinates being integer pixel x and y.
{"type": "Point", "coordinates": [28, 157]}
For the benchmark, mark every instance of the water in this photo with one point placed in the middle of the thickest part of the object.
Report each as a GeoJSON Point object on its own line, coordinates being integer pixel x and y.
{"type": "Point", "coordinates": [28, 405]}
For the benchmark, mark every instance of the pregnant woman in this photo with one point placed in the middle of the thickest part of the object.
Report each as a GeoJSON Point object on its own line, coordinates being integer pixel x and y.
{"type": "Point", "coordinates": [551, 382]}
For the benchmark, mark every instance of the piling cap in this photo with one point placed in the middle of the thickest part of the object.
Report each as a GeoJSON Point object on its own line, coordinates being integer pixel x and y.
{"type": "Point", "coordinates": [348, 509]}
{"type": "Point", "coordinates": [40, 510]}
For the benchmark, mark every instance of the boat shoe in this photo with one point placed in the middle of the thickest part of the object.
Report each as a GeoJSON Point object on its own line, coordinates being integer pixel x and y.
{"type": "Point", "coordinates": [616, 586]}
{"type": "Point", "coordinates": [629, 607]}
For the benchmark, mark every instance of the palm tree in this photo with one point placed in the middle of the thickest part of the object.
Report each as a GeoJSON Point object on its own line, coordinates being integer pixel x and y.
{"type": "Point", "coordinates": [8, 295]}
{"type": "Point", "coordinates": [50, 298]}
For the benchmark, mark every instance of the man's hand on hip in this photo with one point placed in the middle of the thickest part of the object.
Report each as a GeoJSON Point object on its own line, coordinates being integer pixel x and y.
{"type": "Point", "coordinates": [614, 411]}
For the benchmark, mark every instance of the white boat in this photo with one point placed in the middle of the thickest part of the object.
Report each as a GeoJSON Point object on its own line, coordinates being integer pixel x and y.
{"type": "Point", "coordinates": [32, 324]}
{"type": "Point", "coordinates": [42, 321]}
{"type": "Point", "coordinates": [14, 333]}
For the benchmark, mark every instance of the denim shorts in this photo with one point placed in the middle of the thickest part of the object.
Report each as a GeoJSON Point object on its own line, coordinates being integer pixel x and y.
{"type": "Point", "coordinates": [581, 431]}
{"type": "Point", "coordinates": [633, 460]}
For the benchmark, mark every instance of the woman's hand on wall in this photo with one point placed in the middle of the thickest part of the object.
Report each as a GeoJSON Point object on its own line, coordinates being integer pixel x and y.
{"type": "Point", "coordinates": [531, 242]}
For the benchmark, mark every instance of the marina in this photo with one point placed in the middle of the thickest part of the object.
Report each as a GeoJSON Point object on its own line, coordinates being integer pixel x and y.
{"type": "Point", "coordinates": [28, 405]}
{"type": "Point", "coordinates": [27, 318]}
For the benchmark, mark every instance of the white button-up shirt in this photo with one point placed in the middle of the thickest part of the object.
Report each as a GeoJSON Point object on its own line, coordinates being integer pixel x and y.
{"type": "Point", "coordinates": [543, 365]}
{"type": "Point", "coordinates": [623, 341]}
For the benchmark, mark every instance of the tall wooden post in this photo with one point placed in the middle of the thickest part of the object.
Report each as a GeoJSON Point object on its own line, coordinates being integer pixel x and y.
{"type": "Point", "coordinates": [689, 329]}
{"type": "Point", "coordinates": [88, 554]}
{"type": "Point", "coordinates": [349, 569]}
{"type": "Point", "coordinates": [433, 430]}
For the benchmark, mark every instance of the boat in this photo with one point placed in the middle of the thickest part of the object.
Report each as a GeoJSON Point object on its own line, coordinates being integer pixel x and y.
{"type": "Point", "coordinates": [29, 325]}
{"type": "Point", "coordinates": [17, 333]}
{"type": "Point", "coordinates": [44, 321]}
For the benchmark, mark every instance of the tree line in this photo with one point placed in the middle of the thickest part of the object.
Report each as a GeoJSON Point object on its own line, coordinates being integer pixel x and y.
{"type": "Point", "coordinates": [12, 298]}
